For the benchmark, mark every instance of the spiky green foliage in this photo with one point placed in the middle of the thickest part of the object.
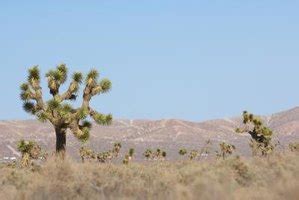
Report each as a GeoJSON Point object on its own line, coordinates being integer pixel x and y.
{"type": "Point", "coordinates": [261, 135]}
{"type": "Point", "coordinates": [105, 85]}
{"type": "Point", "coordinates": [77, 77]}
{"type": "Point", "coordinates": [53, 104]}
{"type": "Point", "coordinates": [29, 107]}
{"type": "Point", "coordinates": [82, 113]}
{"type": "Point", "coordinates": [92, 76]}
{"type": "Point", "coordinates": [63, 115]}
{"type": "Point", "coordinates": [102, 119]}
{"type": "Point", "coordinates": [33, 74]}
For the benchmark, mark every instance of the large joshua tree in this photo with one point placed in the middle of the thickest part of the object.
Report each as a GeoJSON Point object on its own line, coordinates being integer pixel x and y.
{"type": "Point", "coordinates": [58, 111]}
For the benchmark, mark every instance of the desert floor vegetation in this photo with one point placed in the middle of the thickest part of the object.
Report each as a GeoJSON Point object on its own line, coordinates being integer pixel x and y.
{"type": "Point", "coordinates": [273, 177]}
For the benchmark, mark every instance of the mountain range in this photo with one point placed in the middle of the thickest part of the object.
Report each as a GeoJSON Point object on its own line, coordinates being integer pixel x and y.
{"type": "Point", "coordinates": [167, 134]}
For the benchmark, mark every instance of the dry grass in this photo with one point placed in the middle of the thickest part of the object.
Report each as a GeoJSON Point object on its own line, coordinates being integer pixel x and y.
{"type": "Point", "coordinates": [276, 177]}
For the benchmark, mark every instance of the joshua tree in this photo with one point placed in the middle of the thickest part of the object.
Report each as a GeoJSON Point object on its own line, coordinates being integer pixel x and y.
{"type": "Point", "coordinates": [225, 150]}
{"type": "Point", "coordinates": [29, 150]}
{"type": "Point", "coordinates": [87, 154]}
{"type": "Point", "coordinates": [294, 147]}
{"type": "Point", "coordinates": [260, 134]}
{"type": "Point", "coordinates": [129, 156]}
{"type": "Point", "coordinates": [59, 113]}
{"type": "Point", "coordinates": [183, 152]}
{"type": "Point", "coordinates": [149, 154]}
{"type": "Point", "coordinates": [116, 149]}
{"type": "Point", "coordinates": [104, 157]}
{"type": "Point", "coordinates": [193, 154]}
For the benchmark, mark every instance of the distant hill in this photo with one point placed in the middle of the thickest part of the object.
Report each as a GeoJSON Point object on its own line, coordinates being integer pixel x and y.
{"type": "Point", "coordinates": [170, 134]}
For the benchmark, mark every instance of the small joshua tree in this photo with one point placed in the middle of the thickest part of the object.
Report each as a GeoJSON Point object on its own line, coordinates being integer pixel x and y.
{"type": "Point", "coordinates": [183, 152]}
{"type": "Point", "coordinates": [116, 149]}
{"type": "Point", "coordinates": [155, 155]}
{"type": "Point", "coordinates": [107, 156]}
{"type": "Point", "coordinates": [128, 157]}
{"type": "Point", "coordinates": [30, 150]}
{"type": "Point", "coordinates": [294, 147]}
{"type": "Point", "coordinates": [60, 114]}
{"type": "Point", "coordinates": [260, 134]}
{"type": "Point", "coordinates": [87, 154]}
{"type": "Point", "coordinates": [225, 150]}
{"type": "Point", "coordinates": [148, 154]}
{"type": "Point", "coordinates": [193, 154]}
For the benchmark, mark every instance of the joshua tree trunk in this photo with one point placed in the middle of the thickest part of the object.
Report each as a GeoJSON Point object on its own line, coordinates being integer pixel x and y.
{"type": "Point", "coordinates": [60, 140]}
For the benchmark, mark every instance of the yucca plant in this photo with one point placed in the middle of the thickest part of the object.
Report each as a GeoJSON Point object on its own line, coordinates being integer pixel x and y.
{"type": "Point", "coordinates": [116, 149]}
{"type": "Point", "coordinates": [183, 152]}
{"type": "Point", "coordinates": [62, 115]}
{"type": "Point", "coordinates": [128, 157]}
{"type": "Point", "coordinates": [104, 157]}
{"type": "Point", "coordinates": [225, 150]}
{"type": "Point", "coordinates": [148, 154]}
{"type": "Point", "coordinates": [29, 150]}
{"type": "Point", "coordinates": [159, 154]}
{"type": "Point", "coordinates": [261, 135]}
{"type": "Point", "coordinates": [193, 154]}
{"type": "Point", "coordinates": [294, 147]}
{"type": "Point", "coordinates": [87, 154]}
{"type": "Point", "coordinates": [108, 156]}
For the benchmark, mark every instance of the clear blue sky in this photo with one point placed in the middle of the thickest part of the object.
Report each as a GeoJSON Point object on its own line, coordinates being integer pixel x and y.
{"type": "Point", "coordinates": [192, 60]}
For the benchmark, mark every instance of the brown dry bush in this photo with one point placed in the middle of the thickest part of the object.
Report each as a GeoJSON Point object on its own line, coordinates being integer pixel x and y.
{"type": "Point", "coordinates": [274, 177]}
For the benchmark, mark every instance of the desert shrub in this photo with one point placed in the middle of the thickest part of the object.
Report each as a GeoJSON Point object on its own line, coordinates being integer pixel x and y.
{"type": "Point", "coordinates": [242, 171]}
{"type": "Point", "coordinates": [276, 177]}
